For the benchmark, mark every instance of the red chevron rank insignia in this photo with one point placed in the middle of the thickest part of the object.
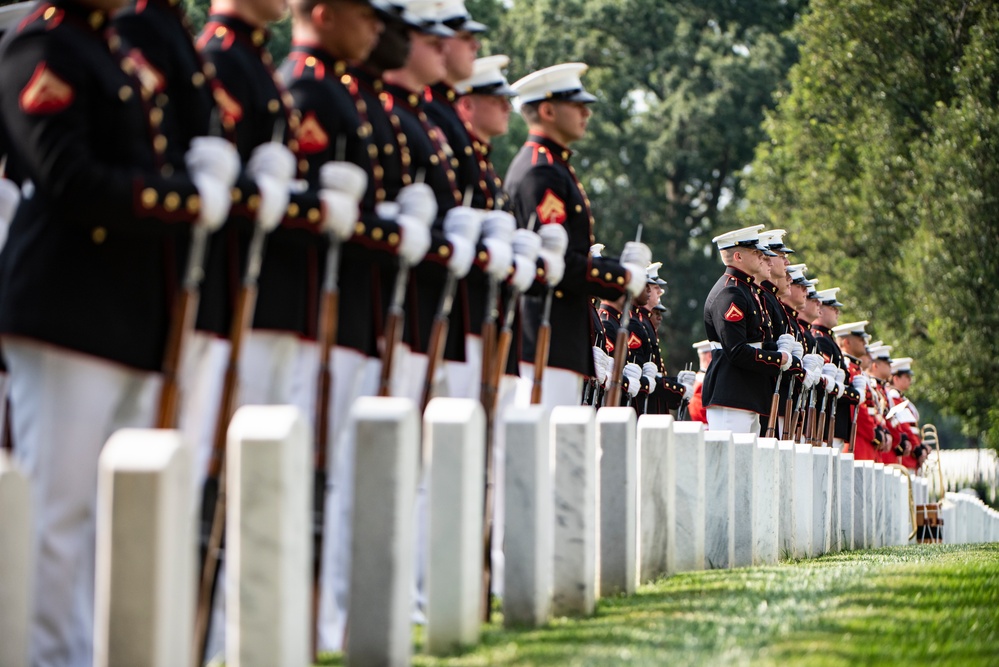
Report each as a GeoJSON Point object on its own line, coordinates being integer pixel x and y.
{"type": "Point", "coordinates": [46, 92]}
{"type": "Point", "coordinates": [232, 110]}
{"type": "Point", "coordinates": [634, 342]}
{"type": "Point", "coordinates": [551, 209]}
{"type": "Point", "coordinates": [733, 314]}
{"type": "Point", "coordinates": [312, 138]}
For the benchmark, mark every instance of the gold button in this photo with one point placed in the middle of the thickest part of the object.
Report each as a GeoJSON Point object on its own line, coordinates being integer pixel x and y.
{"type": "Point", "coordinates": [444, 251]}
{"type": "Point", "coordinates": [359, 228]}
{"type": "Point", "coordinates": [288, 100]}
{"type": "Point", "coordinates": [377, 171]}
{"type": "Point", "coordinates": [49, 13]}
{"type": "Point", "coordinates": [209, 69]}
{"type": "Point", "coordinates": [468, 150]}
{"type": "Point", "coordinates": [253, 202]}
{"type": "Point", "coordinates": [128, 65]}
{"type": "Point", "coordinates": [345, 79]}
{"type": "Point", "coordinates": [372, 151]}
{"type": "Point", "coordinates": [579, 209]}
{"type": "Point", "coordinates": [98, 235]}
{"type": "Point", "coordinates": [314, 215]}
{"type": "Point", "coordinates": [293, 145]}
{"type": "Point", "coordinates": [454, 162]}
{"type": "Point", "coordinates": [393, 239]}
{"type": "Point", "coordinates": [608, 277]}
{"type": "Point", "coordinates": [258, 37]}
{"type": "Point", "coordinates": [171, 202]}
{"type": "Point", "coordinates": [198, 79]}
{"type": "Point", "coordinates": [293, 209]}
{"type": "Point", "coordinates": [303, 166]}
{"type": "Point", "coordinates": [156, 116]}
{"type": "Point", "coordinates": [361, 106]}
{"type": "Point", "coordinates": [558, 294]}
{"type": "Point", "coordinates": [541, 272]}
{"type": "Point", "coordinates": [237, 195]}
{"type": "Point", "coordinates": [310, 61]}
{"type": "Point", "coordinates": [620, 280]}
{"type": "Point", "coordinates": [159, 143]}
{"type": "Point", "coordinates": [193, 203]}
{"type": "Point", "coordinates": [273, 106]}
{"type": "Point", "coordinates": [149, 198]}
{"type": "Point", "coordinates": [380, 194]}
{"type": "Point", "coordinates": [220, 31]}
{"type": "Point", "coordinates": [125, 93]}
{"type": "Point", "coordinates": [377, 233]}
{"type": "Point", "coordinates": [434, 159]}
{"type": "Point", "coordinates": [483, 255]}
{"type": "Point", "coordinates": [595, 272]}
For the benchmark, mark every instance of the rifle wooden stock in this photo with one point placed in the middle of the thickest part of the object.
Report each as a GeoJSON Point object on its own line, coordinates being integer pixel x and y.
{"type": "Point", "coordinates": [820, 424]}
{"type": "Point", "coordinates": [774, 404]}
{"type": "Point", "coordinates": [810, 425]}
{"type": "Point", "coordinates": [853, 427]}
{"type": "Point", "coordinates": [831, 433]}
{"type": "Point", "coordinates": [435, 353]}
{"type": "Point", "coordinates": [541, 360]}
{"type": "Point", "coordinates": [214, 495]}
{"type": "Point", "coordinates": [789, 414]}
{"type": "Point", "coordinates": [185, 308]}
{"type": "Point", "coordinates": [393, 330]}
{"type": "Point", "coordinates": [613, 396]}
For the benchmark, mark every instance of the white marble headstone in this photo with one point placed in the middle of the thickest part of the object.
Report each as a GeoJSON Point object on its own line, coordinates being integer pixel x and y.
{"type": "Point", "coordinates": [846, 498]}
{"type": "Point", "coordinates": [766, 499]}
{"type": "Point", "coordinates": [619, 489]}
{"type": "Point", "coordinates": [803, 496]}
{"type": "Point", "coordinates": [15, 558]}
{"type": "Point", "coordinates": [719, 498]}
{"type": "Point", "coordinates": [654, 434]}
{"type": "Point", "coordinates": [787, 523]}
{"type": "Point", "coordinates": [577, 498]}
{"type": "Point", "coordinates": [821, 499]}
{"type": "Point", "coordinates": [685, 506]}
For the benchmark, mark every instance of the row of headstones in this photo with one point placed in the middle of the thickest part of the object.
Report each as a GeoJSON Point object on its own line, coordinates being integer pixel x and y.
{"type": "Point", "coordinates": [595, 503]}
{"type": "Point", "coordinates": [972, 521]}
{"type": "Point", "coordinates": [965, 467]}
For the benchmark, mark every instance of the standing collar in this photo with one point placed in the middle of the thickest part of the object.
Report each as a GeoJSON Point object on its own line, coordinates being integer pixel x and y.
{"type": "Point", "coordinates": [257, 37]}
{"type": "Point", "coordinates": [740, 274]}
{"type": "Point", "coordinates": [557, 150]}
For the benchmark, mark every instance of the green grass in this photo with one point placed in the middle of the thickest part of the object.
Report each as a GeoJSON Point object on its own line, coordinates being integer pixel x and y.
{"type": "Point", "coordinates": [913, 605]}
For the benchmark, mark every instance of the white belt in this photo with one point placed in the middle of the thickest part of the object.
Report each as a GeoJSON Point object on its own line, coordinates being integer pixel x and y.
{"type": "Point", "coordinates": [718, 346]}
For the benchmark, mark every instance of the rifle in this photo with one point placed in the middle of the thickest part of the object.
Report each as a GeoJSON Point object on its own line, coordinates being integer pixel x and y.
{"type": "Point", "coordinates": [394, 322]}
{"type": "Point", "coordinates": [213, 493]}
{"type": "Point", "coordinates": [328, 330]}
{"type": "Point", "coordinates": [810, 416]}
{"type": "Point", "coordinates": [774, 402]}
{"type": "Point", "coordinates": [682, 412]}
{"type": "Point", "coordinates": [830, 434]}
{"type": "Point", "coordinates": [789, 410]}
{"type": "Point", "coordinates": [621, 347]}
{"type": "Point", "coordinates": [184, 313]}
{"type": "Point", "coordinates": [543, 347]}
{"type": "Point", "coordinates": [487, 395]}
{"type": "Point", "coordinates": [819, 434]}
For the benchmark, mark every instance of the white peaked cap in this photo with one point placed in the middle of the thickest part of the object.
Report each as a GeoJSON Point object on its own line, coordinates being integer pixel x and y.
{"type": "Point", "coordinates": [800, 268]}
{"type": "Point", "coordinates": [901, 365]}
{"type": "Point", "coordinates": [425, 15]}
{"type": "Point", "coordinates": [852, 328]}
{"type": "Point", "coordinates": [747, 237]}
{"type": "Point", "coordinates": [455, 15]}
{"type": "Point", "coordinates": [558, 82]}
{"type": "Point", "coordinates": [487, 78]}
{"type": "Point", "coordinates": [880, 352]}
{"type": "Point", "coordinates": [828, 297]}
{"type": "Point", "coordinates": [774, 239]}
{"type": "Point", "coordinates": [702, 346]}
{"type": "Point", "coordinates": [652, 270]}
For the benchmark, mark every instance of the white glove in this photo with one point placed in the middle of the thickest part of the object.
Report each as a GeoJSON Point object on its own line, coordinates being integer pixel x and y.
{"type": "Point", "coordinates": [274, 160]}
{"type": "Point", "coordinates": [554, 239]}
{"type": "Point", "coordinates": [215, 157]}
{"type": "Point", "coordinates": [419, 201]}
{"type": "Point", "coordinates": [798, 350]}
{"type": "Point", "coordinates": [687, 379]}
{"type": "Point", "coordinates": [524, 272]}
{"type": "Point", "coordinates": [463, 222]}
{"type": "Point", "coordinates": [345, 177]}
{"type": "Point", "coordinates": [554, 266]}
{"type": "Point", "coordinates": [860, 384]}
{"type": "Point", "coordinates": [649, 372]}
{"type": "Point", "coordinates": [387, 210]}
{"type": "Point", "coordinates": [526, 244]}
{"type": "Point", "coordinates": [638, 254]}
{"type": "Point", "coordinates": [633, 373]}
{"type": "Point", "coordinates": [499, 225]}
{"type": "Point", "coordinates": [340, 213]}
{"type": "Point", "coordinates": [829, 377]}
{"type": "Point", "coordinates": [785, 345]}
{"type": "Point", "coordinates": [500, 257]}
{"type": "Point", "coordinates": [812, 363]}
{"type": "Point", "coordinates": [462, 256]}
{"type": "Point", "coordinates": [597, 249]}
{"type": "Point", "coordinates": [216, 200]}
{"type": "Point", "coordinates": [840, 386]}
{"type": "Point", "coordinates": [602, 365]}
{"type": "Point", "coordinates": [415, 239]}
{"type": "Point", "coordinates": [274, 198]}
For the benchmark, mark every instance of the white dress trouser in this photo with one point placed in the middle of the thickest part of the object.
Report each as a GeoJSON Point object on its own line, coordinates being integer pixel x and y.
{"type": "Point", "coordinates": [733, 419]}
{"type": "Point", "coordinates": [65, 406]}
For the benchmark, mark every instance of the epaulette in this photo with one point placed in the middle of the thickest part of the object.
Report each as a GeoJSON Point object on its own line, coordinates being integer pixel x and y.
{"type": "Point", "coordinates": [541, 156]}
{"type": "Point", "coordinates": [45, 16]}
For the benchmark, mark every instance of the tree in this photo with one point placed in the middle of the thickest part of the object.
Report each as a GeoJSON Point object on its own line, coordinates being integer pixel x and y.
{"type": "Point", "coordinates": [878, 166]}
{"type": "Point", "coordinates": [682, 87]}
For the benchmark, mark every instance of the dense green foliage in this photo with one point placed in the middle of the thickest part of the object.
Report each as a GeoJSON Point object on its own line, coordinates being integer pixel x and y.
{"type": "Point", "coordinates": [883, 161]}
{"type": "Point", "coordinates": [913, 605]}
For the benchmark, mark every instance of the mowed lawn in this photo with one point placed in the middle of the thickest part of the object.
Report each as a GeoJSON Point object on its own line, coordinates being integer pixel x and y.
{"type": "Point", "coordinates": [917, 605]}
